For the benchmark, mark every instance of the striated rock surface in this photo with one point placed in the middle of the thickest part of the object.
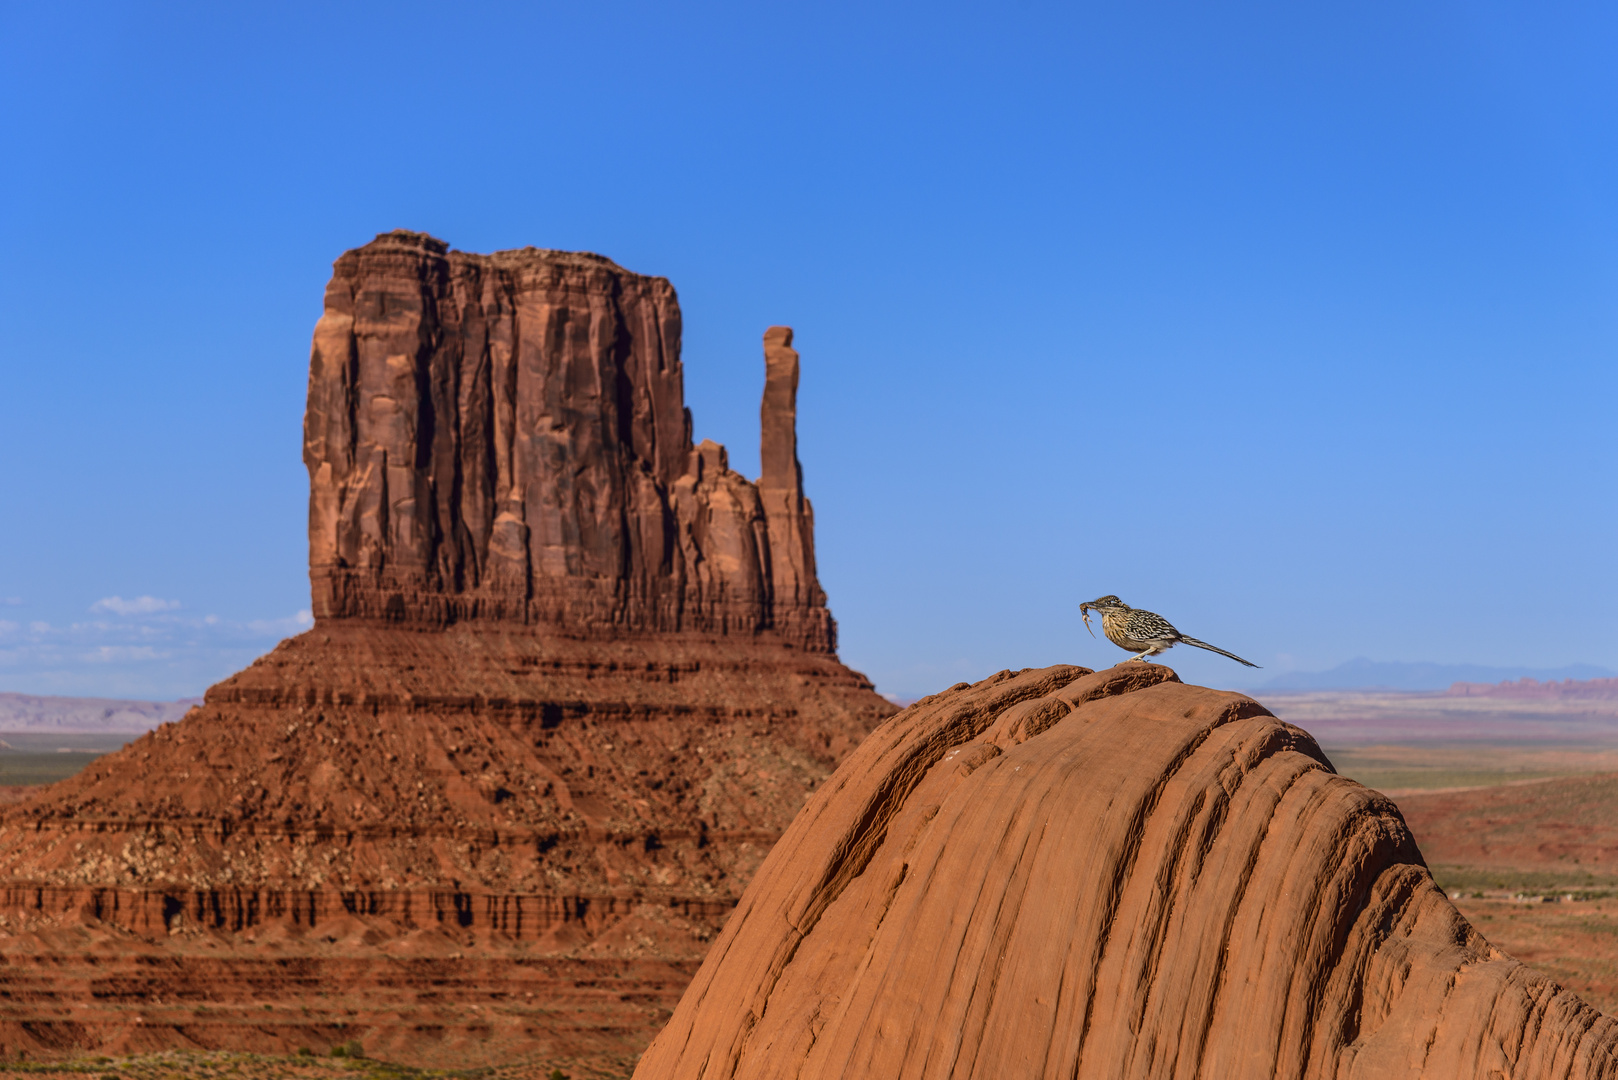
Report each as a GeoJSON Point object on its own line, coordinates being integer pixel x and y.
{"type": "Point", "coordinates": [570, 678]}
{"type": "Point", "coordinates": [1058, 873]}
{"type": "Point", "coordinates": [504, 437]}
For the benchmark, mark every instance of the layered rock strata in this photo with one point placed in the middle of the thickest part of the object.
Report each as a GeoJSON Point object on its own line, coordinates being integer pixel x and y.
{"type": "Point", "coordinates": [570, 678]}
{"type": "Point", "coordinates": [481, 760]}
{"type": "Point", "coordinates": [1058, 873]}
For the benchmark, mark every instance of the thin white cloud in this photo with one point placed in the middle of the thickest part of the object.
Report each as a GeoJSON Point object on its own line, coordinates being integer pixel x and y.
{"type": "Point", "coordinates": [122, 654]}
{"type": "Point", "coordinates": [292, 624]}
{"type": "Point", "coordinates": [156, 653]}
{"type": "Point", "coordinates": [140, 605]}
{"type": "Point", "coordinates": [11, 601]}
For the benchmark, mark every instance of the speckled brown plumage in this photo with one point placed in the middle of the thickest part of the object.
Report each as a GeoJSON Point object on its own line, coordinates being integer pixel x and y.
{"type": "Point", "coordinates": [1144, 632]}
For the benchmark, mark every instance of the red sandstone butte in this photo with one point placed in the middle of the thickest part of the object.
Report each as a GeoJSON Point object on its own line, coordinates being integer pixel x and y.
{"type": "Point", "coordinates": [504, 437]}
{"type": "Point", "coordinates": [1063, 874]}
{"type": "Point", "coordinates": [570, 678]}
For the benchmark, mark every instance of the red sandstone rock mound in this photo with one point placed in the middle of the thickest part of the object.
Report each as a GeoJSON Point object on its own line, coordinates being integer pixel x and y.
{"type": "Point", "coordinates": [1056, 873]}
{"type": "Point", "coordinates": [570, 678]}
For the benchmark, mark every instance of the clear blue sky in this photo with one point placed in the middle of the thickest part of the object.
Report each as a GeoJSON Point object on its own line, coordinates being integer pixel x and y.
{"type": "Point", "coordinates": [1295, 323]}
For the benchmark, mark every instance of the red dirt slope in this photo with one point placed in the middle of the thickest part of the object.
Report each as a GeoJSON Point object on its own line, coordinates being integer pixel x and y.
{"type": "Point", "coordinates": [1568, 824]}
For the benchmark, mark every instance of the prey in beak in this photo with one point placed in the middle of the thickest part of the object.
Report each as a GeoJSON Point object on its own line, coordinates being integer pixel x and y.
{"type": "Point", "coordinates": [1102, 604]}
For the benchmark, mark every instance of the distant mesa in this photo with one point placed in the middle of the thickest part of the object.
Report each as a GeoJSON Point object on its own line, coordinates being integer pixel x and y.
{"type": "Point", "coordinates": [1527, 689]}
{"type": "Point", "coordinates": [570, 677]}
{"type": "Point", "coordinates": [1056, 874]}
{"type": "Point", "coordinates": [1363, 674]}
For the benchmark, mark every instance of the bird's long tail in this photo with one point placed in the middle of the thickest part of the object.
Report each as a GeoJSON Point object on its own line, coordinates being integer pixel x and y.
{"type": "Point", "coordinates": [1215, 648]}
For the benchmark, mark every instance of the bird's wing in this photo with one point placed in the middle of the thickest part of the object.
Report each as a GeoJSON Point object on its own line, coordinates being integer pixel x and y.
{"type": "Point", "coordinates": [1149, 626]}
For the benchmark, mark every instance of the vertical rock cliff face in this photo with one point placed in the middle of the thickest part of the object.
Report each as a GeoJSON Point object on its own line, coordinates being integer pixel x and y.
{"type": "Point", "coordinates": [504, 437]}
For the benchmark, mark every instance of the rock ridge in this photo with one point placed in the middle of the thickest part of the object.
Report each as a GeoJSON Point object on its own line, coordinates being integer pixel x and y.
{"type": "Point", "coordinates": [1060, 873]}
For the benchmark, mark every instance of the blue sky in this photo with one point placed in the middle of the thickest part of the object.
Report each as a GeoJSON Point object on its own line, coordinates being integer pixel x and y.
{"type": "Point", "coordinates": [1295, 323]}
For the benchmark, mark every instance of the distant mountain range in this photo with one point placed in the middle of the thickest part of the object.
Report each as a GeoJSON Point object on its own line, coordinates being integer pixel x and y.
{"type": "Point", "coordinates": [1363, 674]}
{"type": "Point", "coordinates": [29, 712]}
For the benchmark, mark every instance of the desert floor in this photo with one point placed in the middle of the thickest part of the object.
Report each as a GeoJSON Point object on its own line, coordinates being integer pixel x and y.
{"type": "Point", "coordinates": [1515, 811]}
{"type": "Point", "coordinates": [1515, 808]}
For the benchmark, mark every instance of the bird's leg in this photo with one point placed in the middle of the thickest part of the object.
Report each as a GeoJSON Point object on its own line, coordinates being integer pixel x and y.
{"type": "Point", "coordinates": [1144, 655]}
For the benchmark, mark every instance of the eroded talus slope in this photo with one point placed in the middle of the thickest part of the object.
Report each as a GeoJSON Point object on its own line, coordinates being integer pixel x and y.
{"type": "Point", "coordinates": [1056, 873]}
{"type": "Point", "coordinates": [473, 759]}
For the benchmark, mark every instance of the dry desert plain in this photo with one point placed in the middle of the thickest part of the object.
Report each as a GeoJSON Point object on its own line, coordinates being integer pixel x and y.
{"type": "Point", "coordinates": [1514, 804]}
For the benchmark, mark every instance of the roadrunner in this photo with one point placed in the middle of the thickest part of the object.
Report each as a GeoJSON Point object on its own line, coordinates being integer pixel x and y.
{"type": "Point", "coordinates": [1131, 629]}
